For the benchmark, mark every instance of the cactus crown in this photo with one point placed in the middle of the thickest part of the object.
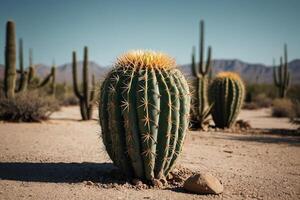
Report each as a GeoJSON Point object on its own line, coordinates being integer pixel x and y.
{"type": "Point", "coordinates": [230, 75]}
{"type": "Point", "coordinates": [145, 59]}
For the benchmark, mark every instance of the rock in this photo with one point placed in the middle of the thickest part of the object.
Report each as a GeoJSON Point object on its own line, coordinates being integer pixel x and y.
{"type": "Point", "coordinates": [203, 184]}
{"type": "Point", "coordinates": [227, 151]}
{"type": "Point", "coordinates": [137, 182]}
{"type": "Point", "coordinates": [163, 181]}
{"type": "Point", "coordinates": [156, 183]}
{"type": "Point", "coordinates": [89, 183]}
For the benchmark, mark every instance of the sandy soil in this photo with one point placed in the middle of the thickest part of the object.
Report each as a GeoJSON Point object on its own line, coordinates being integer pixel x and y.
{"type": "Point", "coordinates": [64, 159]}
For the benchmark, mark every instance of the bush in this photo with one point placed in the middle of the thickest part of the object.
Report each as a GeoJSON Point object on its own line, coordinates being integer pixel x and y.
{"type": "Point", "coordinates": [259, 101]}
{"type": "Point", "coordinates": [69, 100]}
{"type": "Point", "coordinates": [293, 92]}
{"type": "Point", "coordinates": [27, 107]}
{"type": "Point", "coordinates": [268, 89]}
{"type": "Point", "coordinates": [263, 101]}
{"type": "Point", "coordinates": [297, 109]}
{"type": "Point", "coordinates": [283, 108]}
{"type": "Point", "coordinates": [250, 106]}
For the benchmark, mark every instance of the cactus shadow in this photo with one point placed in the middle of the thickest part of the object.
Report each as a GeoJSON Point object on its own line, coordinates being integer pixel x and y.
{"type": "Point", "coordinates": [271, 136]}
{"type": "Point", "coordinates": [104, 173]}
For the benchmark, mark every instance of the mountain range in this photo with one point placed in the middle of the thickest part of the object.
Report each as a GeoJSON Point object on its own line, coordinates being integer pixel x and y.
{"type": "Point", "coordinates": [251, 73]}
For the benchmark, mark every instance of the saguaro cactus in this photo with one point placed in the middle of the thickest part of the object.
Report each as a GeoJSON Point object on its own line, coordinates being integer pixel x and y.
{"type": "Point", "coordinates": [10, 60]}
{"type": "Point", "coordinates": [23, 74]}
{"type": "Point", "coordinates": [87, 97]}
{"type": "Point", "coordinates": [31, 69]}
{"type": "Point", "coordinates": [10, 74]}
{"type": "Point", "coordinates": [201, 72]}
{"type": "Point", "coordinates": [227, 92]}
{"type": "Point", "coordinates": [53, 84]}
{"type": "Point", "coordinates": [143, 111]}
{"type": "Point", "coordinates": [282, 77]}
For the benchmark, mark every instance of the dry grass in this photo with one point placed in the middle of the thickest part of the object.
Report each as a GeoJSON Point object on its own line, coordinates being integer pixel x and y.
{"type": "Point", "coordinates": [28, 107]}
{"type": "Point", "coordinates": [283, 108]}
{"type": "Point", "coordinates": [259, 101]}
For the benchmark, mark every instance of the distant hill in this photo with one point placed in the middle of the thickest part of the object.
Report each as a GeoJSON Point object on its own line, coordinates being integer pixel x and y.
{"type": "Point", "coordinates": [252, 73]}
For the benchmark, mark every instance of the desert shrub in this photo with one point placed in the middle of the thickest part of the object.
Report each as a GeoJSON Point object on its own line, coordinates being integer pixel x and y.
{"type": "Point", "coordinates": [283, 108]}
{"type": "Point", "coordinates": [293, 92]}
{"type": "Point", "coordinates": [262, 100]}
{"type": "Point", "coordinates": [69, 100]}
{"type": "Point", "coordinates": [64, 94]}
{"type": "Point", "coordinates": [259, 101]}
{"type": "Point", "coordinates": [268, 89]}
{"type": "Point", "coordinates": [250, 106]}
{"type": "Point", "coordinates": [27, 107]}
{"type": "Point", "coordinates": [297, 109]}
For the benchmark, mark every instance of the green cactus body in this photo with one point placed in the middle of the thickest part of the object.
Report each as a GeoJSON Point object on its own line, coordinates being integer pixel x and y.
{"type": "Point", "coordinates": [53, 84]}
{"type": "Point", "coordinates": [201, 73]}
{"type": "Point", "coordinates": [10, 75]}
{"type": "Point", "coordinates": [87, 96]}
{"type": "Point", "coordinates": [143, 111]}
{"type": "Point", "coordinates": [282, 77]}
{"type": "Point", "coordinates": [10, 60]}
{"type": "Point", "coordinates": [227, 95]}
{"type": "Point", "coordinates": [31, 70]}
{"type": "Point", "coordinates": [23, 74]}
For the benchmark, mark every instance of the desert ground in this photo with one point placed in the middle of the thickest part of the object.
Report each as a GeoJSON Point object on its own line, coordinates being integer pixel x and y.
{"type": "Point", "coordinates": [64, 158]}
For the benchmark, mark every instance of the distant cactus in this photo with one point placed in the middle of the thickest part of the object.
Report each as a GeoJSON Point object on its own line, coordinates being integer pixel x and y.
{"type": "Point", "coordinates": [282, 77]}
{"type": "Point", "coordinates": [23, 74]}
{"type": "Point", "coordinates": [31, 69]}
{"type": "Point", "coordinates": [10, 60]}
{"type": "Point", "coordinates": [143, 111]}
{"type": "Point", "coordinates": [53, 84]}
{"type": "Point", "coordinates": [227, 95]}
{"type": "Point", "coordinates": [202, 73]}
{"type": "Point", "coordinates": [10, 75]}
{"type": "Point", "coordinates": [87, 96]}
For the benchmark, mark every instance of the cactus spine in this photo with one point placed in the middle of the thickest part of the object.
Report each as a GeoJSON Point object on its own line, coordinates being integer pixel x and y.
{"type": "Point", "coordinates": [226, 92]}
{"type": "Point", "coordinates": [282, 77]}
{"type": "Point", "coordinates": [143, 111]}
{"type": "Point", "coordinates": [10, 60]}
{"type": "Point", "coordinates": [87, 97]}
{"type": "Point", "coordinates": [201, 72]}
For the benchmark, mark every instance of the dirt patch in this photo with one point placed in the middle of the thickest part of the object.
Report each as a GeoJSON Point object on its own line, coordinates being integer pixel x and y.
{"type": "Point", "coordinates": [64, 158]}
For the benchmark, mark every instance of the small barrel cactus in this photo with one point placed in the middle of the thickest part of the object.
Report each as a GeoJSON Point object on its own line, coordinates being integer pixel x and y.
{"type": "Point", "coordinates": [144, 111]}
{"type": "Point", "coordinates": [226, 92]}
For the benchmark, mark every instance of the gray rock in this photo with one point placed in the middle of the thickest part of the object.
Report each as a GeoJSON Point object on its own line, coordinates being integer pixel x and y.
{"type": "Point", "coordinates": [203, 184]}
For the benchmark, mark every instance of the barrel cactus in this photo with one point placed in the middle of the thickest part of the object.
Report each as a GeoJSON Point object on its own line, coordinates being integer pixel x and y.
{"type": "Point", "coordinates": [144, 111]}
{"type": "Point", "coordinates": [226, 92]}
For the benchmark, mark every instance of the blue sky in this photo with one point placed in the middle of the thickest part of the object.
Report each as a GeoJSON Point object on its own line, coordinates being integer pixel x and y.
{"type": "Point", "coordinates": [251, 30]}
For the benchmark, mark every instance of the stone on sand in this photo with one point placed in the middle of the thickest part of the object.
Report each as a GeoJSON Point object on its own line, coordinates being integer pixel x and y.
{"type": "Point", "coordinates": [203, 184]}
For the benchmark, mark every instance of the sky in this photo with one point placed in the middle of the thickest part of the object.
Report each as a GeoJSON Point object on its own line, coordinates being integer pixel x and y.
{"type": "Point", "coordinates": [250, 30]}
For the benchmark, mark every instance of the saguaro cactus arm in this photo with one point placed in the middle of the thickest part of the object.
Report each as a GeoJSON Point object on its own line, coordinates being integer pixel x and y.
{"type": "Point", "coordinates": [194, 66]}
{"type": "Point", "coordinates": [10, 60]}
{"type": "Point", "coordinates": [92, 94]}
{"type": "Point", "coordinates": [46, 80]}
{"type": "Point", "coordinates": [74, 71]}
{"type": "Point", "coordinates": [86, 92]}
{"type": "Point", "coordinates": [282, 77]}
{"type": "Point", "coordinates": [201, 71]}
{"type": "Point", "coordinates": [23, 74]}
{"type": "Point", "coordinates": [203, 67]}
{"type": "Point", "coordinates": [86, 97]}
